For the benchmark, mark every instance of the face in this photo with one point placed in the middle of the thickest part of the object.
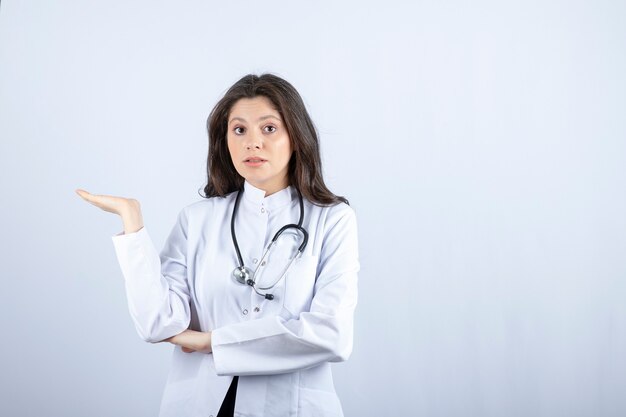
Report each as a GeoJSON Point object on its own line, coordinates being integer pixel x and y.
{"type": "Point", "coordinates": [259, 144]}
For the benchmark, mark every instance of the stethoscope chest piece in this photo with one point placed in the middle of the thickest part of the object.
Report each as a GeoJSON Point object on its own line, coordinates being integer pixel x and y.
{"type": "Point", "coordinates": [242, 275]}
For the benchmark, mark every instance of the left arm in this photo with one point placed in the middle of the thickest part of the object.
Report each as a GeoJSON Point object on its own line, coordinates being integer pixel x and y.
{"type": "Point", "coordinates": [275, 345]}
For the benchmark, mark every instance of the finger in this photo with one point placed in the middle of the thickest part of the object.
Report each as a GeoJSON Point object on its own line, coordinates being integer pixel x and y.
{"type": "Point", "coordinates": [87, 196]}
{"type": "Point", "coordinates": [187, 350]}
{"type": "Point", "coordinates": [105, 202]}
{"type": "Point", "coordinates": [82, 193]}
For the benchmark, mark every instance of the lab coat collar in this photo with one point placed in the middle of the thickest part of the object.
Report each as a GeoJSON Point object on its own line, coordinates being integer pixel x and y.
{"type": "Point", "coordinates": [257, 197]}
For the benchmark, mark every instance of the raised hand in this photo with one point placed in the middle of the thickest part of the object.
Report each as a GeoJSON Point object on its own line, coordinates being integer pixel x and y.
{"type": "Point", "coordinates": [128, 209]}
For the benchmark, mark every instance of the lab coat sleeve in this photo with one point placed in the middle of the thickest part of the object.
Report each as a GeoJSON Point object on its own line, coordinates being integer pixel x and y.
{"type": "Point", "coordinates": [278, 344]}
{"type": "Point", "coordinates": [156, 284]}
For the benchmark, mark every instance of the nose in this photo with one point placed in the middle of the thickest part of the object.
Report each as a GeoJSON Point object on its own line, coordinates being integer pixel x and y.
{"type": "Point", "coordinates": [254, 141]}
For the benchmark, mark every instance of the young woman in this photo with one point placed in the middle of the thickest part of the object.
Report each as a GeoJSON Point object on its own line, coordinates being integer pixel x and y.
{"type": "Point", "coordinates": [257, 284]}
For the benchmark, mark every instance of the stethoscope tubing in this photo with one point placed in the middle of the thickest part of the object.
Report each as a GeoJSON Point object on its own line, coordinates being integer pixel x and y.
{"type": "Point", "coordinates": [244, 272]}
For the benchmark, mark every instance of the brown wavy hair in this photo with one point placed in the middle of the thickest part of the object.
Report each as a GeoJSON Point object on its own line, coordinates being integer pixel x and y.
{"type": "Point", "coordinates": [305, 165]}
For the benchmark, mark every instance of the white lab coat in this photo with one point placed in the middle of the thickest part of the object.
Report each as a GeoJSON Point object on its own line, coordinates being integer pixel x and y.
{"type": "Point", "coordinates": [282, 348]}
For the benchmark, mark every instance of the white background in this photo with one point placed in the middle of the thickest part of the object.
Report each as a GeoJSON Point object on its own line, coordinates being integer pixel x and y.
{"type": "Point", "coordinates": [482, 145]}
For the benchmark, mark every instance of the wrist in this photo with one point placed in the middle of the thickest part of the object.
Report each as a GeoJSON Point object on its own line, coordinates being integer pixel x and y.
{"type": "Point", "coordinates": [132, 217]}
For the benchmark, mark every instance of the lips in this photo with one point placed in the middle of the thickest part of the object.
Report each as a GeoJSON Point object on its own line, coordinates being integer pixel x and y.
{"type": "Point", "coordinates": [254, 162]}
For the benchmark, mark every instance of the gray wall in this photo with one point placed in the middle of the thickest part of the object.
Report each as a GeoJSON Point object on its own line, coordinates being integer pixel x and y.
{"type": "Point", "coordinates": [482, 144]}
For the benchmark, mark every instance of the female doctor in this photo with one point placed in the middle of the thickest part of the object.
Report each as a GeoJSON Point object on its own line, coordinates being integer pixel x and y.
{"type": "Point", "coordinates": [256, 285]}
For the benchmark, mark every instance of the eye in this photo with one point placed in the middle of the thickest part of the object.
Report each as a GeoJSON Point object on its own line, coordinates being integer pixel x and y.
{"type": "Point", "coordinates": [238, 130]}
{"type": "Point", "coordinates": [270, 128]}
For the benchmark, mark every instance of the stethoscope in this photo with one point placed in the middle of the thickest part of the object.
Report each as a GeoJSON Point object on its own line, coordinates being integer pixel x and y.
{"type": "Point", "coordinates": [243, 274]}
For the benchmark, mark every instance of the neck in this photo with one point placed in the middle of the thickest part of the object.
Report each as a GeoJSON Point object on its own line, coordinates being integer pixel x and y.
{"type": "Point", "coordinates": [271, 188]}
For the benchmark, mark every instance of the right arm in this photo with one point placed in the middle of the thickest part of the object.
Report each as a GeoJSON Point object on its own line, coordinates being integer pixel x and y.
{"type": "Point", "coordinates": [156, 285]}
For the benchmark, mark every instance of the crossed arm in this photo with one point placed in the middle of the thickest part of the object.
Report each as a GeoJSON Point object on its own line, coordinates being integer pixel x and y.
{"type": "Point", "coordinates": [192, 341]}
{"type": "Point", "coordinates": [159, 303]}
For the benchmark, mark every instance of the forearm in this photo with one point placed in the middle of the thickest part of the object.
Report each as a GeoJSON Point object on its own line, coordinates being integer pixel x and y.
{"type": "Point", "coordinates": [192, 340]}
{"type": "Point", "coordinates": [272, 345]}
{"type": "Point", "coordinates": [156, 286]}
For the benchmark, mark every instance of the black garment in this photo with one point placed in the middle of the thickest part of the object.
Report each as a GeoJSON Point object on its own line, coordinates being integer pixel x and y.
{"type": "Point", "coordinates": [228, 406]}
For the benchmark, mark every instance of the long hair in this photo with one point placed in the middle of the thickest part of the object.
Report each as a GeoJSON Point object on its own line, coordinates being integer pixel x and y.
{"type": "Point", "coordinates": [305, 165]}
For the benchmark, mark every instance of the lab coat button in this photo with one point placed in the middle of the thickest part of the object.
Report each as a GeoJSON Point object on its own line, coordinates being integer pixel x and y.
{"type": "Point", "coordinates": [263, 263]}
{"type": "Point", "coordinates": [245, 311]}
{"type": "Point", "coordinates": [262, 210]}
{"type": "Point", "coordinates": [257, 309]}
{"type": "Point", "coordinates": [255, 260]}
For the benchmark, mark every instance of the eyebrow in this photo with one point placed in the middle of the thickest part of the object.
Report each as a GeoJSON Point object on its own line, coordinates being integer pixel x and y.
{"type": "Point", "coordinates": [260, 118]}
